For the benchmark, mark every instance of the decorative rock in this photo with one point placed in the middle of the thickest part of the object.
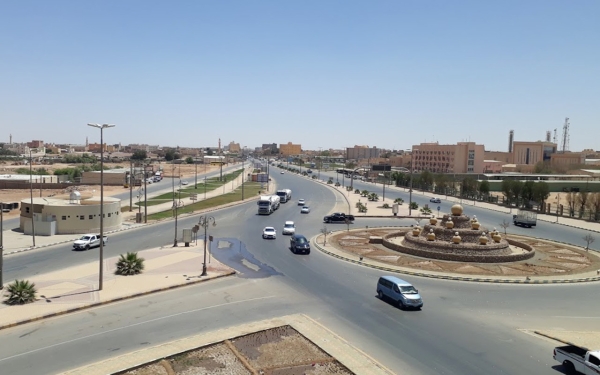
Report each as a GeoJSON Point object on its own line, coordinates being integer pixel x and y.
{"type": "Point", "coordinates": [456, 210]}
{"type": "Point", "coordinates": [483, 240]}
{"type": "Point", "coordinates": [456, 239]}
{"type": "Point", "coordinates": [496, 237]}
{"type": "Point", "coordinates": [449, 224]}
{"type": "Point", "coordinates": [433, 220]}
{"type": "Point", "coordinates": [416, 231]}
{"type": "Point", "coordinates": [475, 225]}
{"type": "Point", "coordinates": [474, 219]}
{"type": "Point", "coordinates": [431, 235]}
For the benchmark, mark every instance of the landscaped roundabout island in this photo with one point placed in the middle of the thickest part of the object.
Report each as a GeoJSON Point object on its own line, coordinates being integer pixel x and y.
{"type": "Point", "coordinates": [457, 237]}
{"type": "Point", "coordinates": [459, 244]}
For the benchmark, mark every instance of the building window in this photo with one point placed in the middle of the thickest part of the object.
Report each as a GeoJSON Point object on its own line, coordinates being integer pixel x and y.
{"type": "Point", "coordinates": [471, 162]}
{"type": "Point", "coordinates": [109, 214]}
{"type": "Point", "coordinates": [81, 217]}
{"type": "Point", "coordinates": [64, 218]}
{"type": "Point", "coordinates": [91, 217]}
{"type": "Point", "coordinates": [26, 210]}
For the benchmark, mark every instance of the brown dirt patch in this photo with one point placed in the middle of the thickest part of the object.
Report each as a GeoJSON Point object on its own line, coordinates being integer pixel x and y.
{"type": "Point", "coordinates": [551, 258]}
{"type": "Point", "coordinates": [276, 351]}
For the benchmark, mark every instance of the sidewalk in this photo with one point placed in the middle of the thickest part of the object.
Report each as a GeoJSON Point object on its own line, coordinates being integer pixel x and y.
{"type": "Point", "coordinates": [76, 288]}
{"type": "Point", "coordinates": [15, 242]}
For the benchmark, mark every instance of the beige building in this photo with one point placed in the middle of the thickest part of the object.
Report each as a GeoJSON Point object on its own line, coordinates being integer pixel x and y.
{"type": "Point", "coordinates": [463, 157]}
{"type": "Point", "coordinates": [567, 159]}
{"type": "Point", "coordinates": [71, 214]}
{"type": "Point", "coordinates": [234, 147]}
{"type": "Point", "coordinates": [531, 153]}
{"type": "Point", "coordinates": [362, 152]}
{"type": "Point", "coordinates": [111, 177]}
{"type": "Point", "coordinates": [500, 156]}
{"type": "Point", "coordinates": [290, 149]}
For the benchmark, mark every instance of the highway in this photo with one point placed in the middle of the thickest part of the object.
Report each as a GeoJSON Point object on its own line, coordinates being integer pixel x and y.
{"type": "Point", "coordinates": [464, 328]}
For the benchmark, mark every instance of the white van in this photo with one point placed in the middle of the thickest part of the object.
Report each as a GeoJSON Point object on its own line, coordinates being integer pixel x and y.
{"type": "Point", "coordinates": [399, 291]}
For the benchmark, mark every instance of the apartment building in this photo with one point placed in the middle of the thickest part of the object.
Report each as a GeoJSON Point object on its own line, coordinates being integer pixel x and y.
{"type": "Point", "coordinates": [567, 159]}
{"type": "Point", "coordinates": [362, 152]}
{"type": "Point", "coordinates": [234, 147]}
{"type": "Point", "coordinates": [463, 157]}
{"type": "Point", "coordinates": [290, 149]}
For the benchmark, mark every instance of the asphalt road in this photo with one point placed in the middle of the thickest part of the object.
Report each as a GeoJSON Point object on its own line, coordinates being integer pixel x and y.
{"type": "Point", "coordinates": [464, 328]}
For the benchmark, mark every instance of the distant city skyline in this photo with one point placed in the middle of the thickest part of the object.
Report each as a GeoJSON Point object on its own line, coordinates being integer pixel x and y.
{"type": "Point", "coordinates": [333, 74]}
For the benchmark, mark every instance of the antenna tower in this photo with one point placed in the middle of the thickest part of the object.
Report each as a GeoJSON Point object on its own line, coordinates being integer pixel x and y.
{"type": "Point", "coordinates": [565, 137]}
{"type": "Point", "coordinates": [555, 138]}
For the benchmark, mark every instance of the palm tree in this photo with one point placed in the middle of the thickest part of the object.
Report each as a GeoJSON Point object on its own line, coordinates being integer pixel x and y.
{"type": "Point", "coordinates": [129, 264]}
{"type": "Point", "coordinates": [20, 292]}
{"type": "Point", "coordinates": [399, 200]}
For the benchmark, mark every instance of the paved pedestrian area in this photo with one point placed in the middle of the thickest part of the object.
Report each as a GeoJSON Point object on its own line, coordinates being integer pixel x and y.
{"type": "Point", "coordinates": [75, 288]}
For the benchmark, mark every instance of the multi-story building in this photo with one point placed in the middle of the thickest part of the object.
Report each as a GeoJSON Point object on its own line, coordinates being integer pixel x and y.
{"type": "Point", "coordinates": [463, 157]}
{"type": "Point", "coordinates": [290, 149]}
{"type": "Point", "coordinates": [35, 144]}
{"type": "Point", "coordinates": [531, 153]}
{"type": "Point", "coordinates": [362, 152]}
{"type": "Point", "coordinates": [500, 156]}
{"type": "Point", "coordinates": [269, 148]}
{"type": "Point", "coordinates": [234, 147]}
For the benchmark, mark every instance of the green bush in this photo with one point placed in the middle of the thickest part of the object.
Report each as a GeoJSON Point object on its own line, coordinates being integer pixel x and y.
{"type": "Point", "coordinates": [399, 200]}
{"type": "Point", "coordinates": [20, 292]}
{"type": "Point", "coordinates": [414, 205]}
{"type": "Point", "coordinates": [129, 264]}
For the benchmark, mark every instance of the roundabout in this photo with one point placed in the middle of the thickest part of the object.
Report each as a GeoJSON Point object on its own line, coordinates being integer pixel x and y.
{"type": "Point", "coordinates": [458, 247]}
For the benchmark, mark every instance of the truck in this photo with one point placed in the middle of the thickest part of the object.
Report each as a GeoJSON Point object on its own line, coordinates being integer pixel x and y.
{"type": "Point", "coordinates": [525, 219]}
{"type": "Point", "coordinates": [338, 217]}
{"type": "Point", "coordinates": [267, 204]}
{"type": "Point", "coordinates": [88, 241]}
{"type": "Point", "coordinates": [577, 359]}
{"type": "Point", "coordinates": [284, 194]}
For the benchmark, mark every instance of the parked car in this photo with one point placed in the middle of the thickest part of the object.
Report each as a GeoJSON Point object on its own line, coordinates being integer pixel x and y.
{"type": "Point", "coordinates": [299, 244]}
{"type": "Point", "coordinates": [269, 232]}
{"type": "Point", "coordinates": [282, 172]}
{"type": "Point", "coordinates": [88, 241]}
{"type": "Point", "coordinates": [435, 200]}
{"type": "Point", "coordinates": [289, 227]}
{"type": "Point", "coordinates": [301, 202]}
{"type": "Point", "coordinates": [184, 182]}
{"type": "Point", "coordinates": [400, 291]}
{"type": "Point", "coordinates": [305, 210]}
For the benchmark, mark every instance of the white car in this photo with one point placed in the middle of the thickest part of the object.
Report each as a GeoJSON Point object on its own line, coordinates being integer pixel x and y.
{"type": "Point", "coordinates": [301, 202]}
{"type": "Point", "coordinates": [305, 210]}
{"type": "Point", "coordinates": [289, 228]}
{"type": "Point", "coordinates": [435, 200]}
{"type": "Point", "coordinates": [282, 172]}
{"type": "Point", "coordinates": [269, 232]}
{"type": "Point", "coordinates": [184, 182]}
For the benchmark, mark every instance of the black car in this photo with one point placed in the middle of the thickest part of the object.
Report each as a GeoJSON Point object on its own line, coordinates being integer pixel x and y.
{"type": "Point", "coordinates": [338, 217]}
{"type": "Point", "coordinates": [299, 244]}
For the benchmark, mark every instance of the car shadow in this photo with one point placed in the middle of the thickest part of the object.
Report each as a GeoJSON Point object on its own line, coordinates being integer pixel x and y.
{"type": "Point", "coordinates": [560, 369]}
{"type": "Point", "coordinates": [395, 304]}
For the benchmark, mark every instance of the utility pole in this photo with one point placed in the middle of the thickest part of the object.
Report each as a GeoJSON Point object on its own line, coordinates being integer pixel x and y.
{"type": "Point", "coordinates": [196, 176]}
{"type": "Point", "coordinates": [174, 202]}
{"type": "Point", "coordinates": [145, 195]}
{"type": "Point", "coordinates": [131, 179]}
{"type": "Point", "coordinates": [1, 245]}
{"type": "Point", "coordinates": [243, 175]}
{"type": "Point", "coordinates": [31, 196]}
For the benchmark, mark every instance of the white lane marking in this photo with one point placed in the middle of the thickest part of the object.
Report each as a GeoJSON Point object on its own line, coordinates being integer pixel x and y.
{"type": "Point", "coordinates": [576, 317]}
{"type": "Point", "coordinates": [131, 325]}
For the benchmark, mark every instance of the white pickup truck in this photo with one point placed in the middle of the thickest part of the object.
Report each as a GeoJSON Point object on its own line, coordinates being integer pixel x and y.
{"type": "Point", "coordinates": [578, 360]}
{"type": "Point", "coordinates": [88, 241]}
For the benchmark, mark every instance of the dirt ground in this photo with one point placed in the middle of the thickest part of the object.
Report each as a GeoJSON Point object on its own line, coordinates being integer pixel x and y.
{"type": "Point", "coordinates": [551, 258]}
{"type": "Point", "coordinates": [16, 195]}
{"type": "Point", "coordinates": [276, 351]}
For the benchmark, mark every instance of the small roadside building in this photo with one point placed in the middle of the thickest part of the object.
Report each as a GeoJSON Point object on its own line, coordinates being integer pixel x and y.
{"type": "Point", "coordinates": [69, 214]}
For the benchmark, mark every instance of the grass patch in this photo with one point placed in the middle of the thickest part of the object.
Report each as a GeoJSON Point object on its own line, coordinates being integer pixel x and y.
{"type": "Point", "coordinates": [251, 190]}
{"type": "Point", "coordinates": [211, 184]}
{"type": "Point", "coordinates": [153, 202]}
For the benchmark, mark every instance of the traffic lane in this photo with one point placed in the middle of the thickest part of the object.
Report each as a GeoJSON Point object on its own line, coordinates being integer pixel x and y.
{"type": "Point", "coordinates": [78, 339]}
{"type": "Point", "coordinates": [449, 338]}
{"type": "Point", "coordinates": [166, 184]}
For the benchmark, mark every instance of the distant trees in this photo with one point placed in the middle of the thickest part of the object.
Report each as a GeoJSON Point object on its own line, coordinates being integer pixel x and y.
{"type": "Point", "coordinates": [523, 193]}
{"type": "Point", "coordinates": [139, 155]}
{"type": "Point", "coordinates": [171, 154]}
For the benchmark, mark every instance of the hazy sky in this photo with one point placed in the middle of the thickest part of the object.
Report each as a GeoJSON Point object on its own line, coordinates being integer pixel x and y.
{"type": "Point", "coordinates": [321, 73]}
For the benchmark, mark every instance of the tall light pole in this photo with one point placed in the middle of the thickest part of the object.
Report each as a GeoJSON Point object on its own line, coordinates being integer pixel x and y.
{"type": "Point", "coordinates": [204, 222]}
{"type": "Point", "coordinates": [31, 196]}
{"type": "Point", "coordinates": [243, 175]}
{"type": "Point", "coordinates": [174, 202]}
{"type": "Point", "coordinates": [130, 184]}
{"type": "Point", "coordinates": [196, 175]}
{"type": "Point", "coordinates": [412, 164]}
{"type": "Point", "coordinates": [145, 195]}
{"type": "Point", "coordinates": [101, 127]}
{"type": "Point", "coordinates": [1, 245]}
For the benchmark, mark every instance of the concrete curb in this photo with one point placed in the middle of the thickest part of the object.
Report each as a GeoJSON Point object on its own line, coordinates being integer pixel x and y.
{"type": "Point", "coordinates": [97, 304]}
{"type": "Point", "coordinates": [556, 339]}
{"type": "Point", "coordinates": [454, 278]}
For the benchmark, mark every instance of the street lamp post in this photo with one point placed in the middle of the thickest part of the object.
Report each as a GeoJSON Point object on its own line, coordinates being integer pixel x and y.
{"type": "Point", "coordinates": [1, 245]}
{"type": "Point", "coordinates": [410, 189]}
{"type": "Point", "coordinates": [145, 196]}
{"type": "Point", "coordinates": [31, 196]}
{"type": "Point", "coordinates": [204, 222]}
{"type": "Point", "coordinates": [130, 185]}
{"type": "Point", "coordinates": [243, 175]}
{"type": "Point", "coordinates": [101, 251]}
{"type": "Point", "coordinates": [196, 175]}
